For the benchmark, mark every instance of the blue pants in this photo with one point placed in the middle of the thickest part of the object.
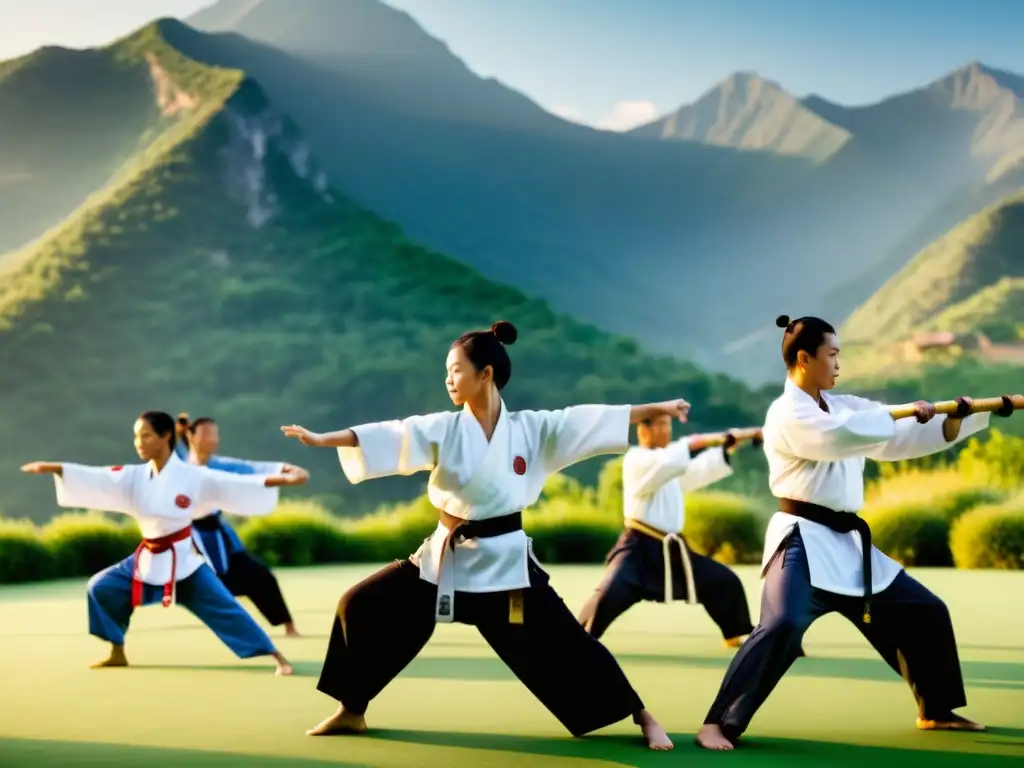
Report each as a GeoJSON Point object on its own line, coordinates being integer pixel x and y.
{"type": "Point", "coordinates": [110, 608]}
{"type": "Point", "coordinates": [910, 629]}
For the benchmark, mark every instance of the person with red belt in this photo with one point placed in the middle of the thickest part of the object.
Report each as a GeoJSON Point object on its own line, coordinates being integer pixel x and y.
{"type": "Point", "coordinates": [164, 495]}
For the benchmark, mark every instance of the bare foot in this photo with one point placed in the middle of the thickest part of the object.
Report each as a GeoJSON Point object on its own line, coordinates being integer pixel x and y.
{"type": "Point", "coordinates": [341, 722]}
{"type": "Point", "coordinates": [653, 732]}
{"type": "Point", "coordinates": [283, 667]}
{"type": "Point", "coordinates": [710, 737]}
{"type": "Point", "coordinates": [290, 630]}
{"type": "Point", "coordinates": [949, 722]}
{"type": "Point", "coordinates": [116, 658]}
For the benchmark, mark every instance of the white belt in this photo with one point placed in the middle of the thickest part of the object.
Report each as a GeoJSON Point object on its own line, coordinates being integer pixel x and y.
{"type": "Point", "coordinates": [667, 540]}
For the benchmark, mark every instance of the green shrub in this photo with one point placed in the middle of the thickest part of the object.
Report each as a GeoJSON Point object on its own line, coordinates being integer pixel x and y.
{"type": "Point", "coordinates": [991, 536]}
{"type": "Point", "coordinates": [390, 533]}
{"type": "Point", "coordinates": [23, 557]}
{"type": "Point", "coordinates": [950, 492]}
{"type": "Point", "coordinates": [297, 533]}
{"type": "Point", "coordinates": [913, 533]}
{"type": "Point", "coordinates": [997, 460]}
{"type": "Point", "coordinates": [564, 532]}
{"type": "Point", "coordinates": [84, 543]}
{"type": "Point", "coordinates": [725, 526]}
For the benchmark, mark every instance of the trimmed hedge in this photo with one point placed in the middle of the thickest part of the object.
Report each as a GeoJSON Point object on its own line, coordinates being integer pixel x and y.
{"type": "Point", "coordinates": [990, 536]}
{"type": "Point", "coordinates": [911, 515]}
{"type": "Point", "coordinates": [82, 544]}
{"type": "Point", "coordinates": [566, 527]}
{"type": "Point", "coordinates": [725, 526]}
{"type": "Point", "coordinates": [23, 555]}
{"type": "Point", "coordinates": [912, 533]}
{"type": "Point", "coordinates": [950, 492]}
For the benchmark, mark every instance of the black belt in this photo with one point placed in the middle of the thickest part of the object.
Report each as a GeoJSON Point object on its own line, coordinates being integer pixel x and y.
{"type": "Point", "coordinates": [840, 522]}
{"type": "Point", "coordinates": [480, 529]}
{"type": "Point", "coordinates": [208, 523]}
{"type": "Point", "coordinates": [460, 528]}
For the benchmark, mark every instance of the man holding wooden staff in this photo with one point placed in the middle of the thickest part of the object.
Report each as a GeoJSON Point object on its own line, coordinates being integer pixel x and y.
{"type": "Point", "coordinates": [651, 560]}
{"type": "Point", "coordinates": [818, 556]}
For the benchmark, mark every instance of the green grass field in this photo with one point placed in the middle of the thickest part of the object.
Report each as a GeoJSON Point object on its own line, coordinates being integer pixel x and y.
{"type": "Point", "coordinates": [188, 701]}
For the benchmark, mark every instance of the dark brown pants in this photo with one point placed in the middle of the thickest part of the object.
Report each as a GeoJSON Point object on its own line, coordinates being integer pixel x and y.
{"type": "Point", "coordinates": [910, 628]}
{"type": "Point", "coordinates": [389, 617]}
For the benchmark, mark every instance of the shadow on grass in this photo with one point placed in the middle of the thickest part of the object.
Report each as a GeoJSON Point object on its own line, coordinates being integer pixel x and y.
{"type": "Point", "coordinates": [977, 674]}
{"type": "Point", "coordinates": [302, 668]}
{"type": "Point", "coordinates": [624, 750]}
{"type": "Point", "coordinates": [31, 753]}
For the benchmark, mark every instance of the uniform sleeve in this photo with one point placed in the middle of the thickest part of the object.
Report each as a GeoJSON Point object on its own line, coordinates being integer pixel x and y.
{"type": "Point", "coordinates": [577, 433]}
{"type": "Point", "coordinates": [810, 433]}
{"type": "Point", "coordinates": [914, 440]}
{"type": "Point", "coordinates": [107, 489]}
{"type": "Point", "coordinates": [645, 471]}
{"type": "Point", "coordinates": [242, 495]}
{"type": "Point", "coordinates": [391, 448]}
{"type": "Point", "coordinates": [709, 467]}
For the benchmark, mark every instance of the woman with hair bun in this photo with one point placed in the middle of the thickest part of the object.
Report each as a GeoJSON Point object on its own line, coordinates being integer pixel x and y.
{"type": "Point", "coordinates": [486, 465]}
{"type": "Point", "coordinates": [818, 557]}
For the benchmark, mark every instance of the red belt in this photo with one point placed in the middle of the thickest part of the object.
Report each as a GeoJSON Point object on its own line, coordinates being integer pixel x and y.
{"type": "Point", "coordinates": [159, 546]}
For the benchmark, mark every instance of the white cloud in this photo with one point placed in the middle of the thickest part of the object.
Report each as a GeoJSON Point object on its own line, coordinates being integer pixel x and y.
{"type": "Point", "coordinates": [568, 112]}
{"type": "Point", "coordinates": [628, 114]}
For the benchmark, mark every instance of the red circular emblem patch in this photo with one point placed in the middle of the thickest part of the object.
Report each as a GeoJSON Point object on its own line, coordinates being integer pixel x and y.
{"type": "Point", "coordinates": [183, 501]}
{"type": "Point", "coordinates": [519, 465]}
{"type": "Point", "coordinates": [117, 468]}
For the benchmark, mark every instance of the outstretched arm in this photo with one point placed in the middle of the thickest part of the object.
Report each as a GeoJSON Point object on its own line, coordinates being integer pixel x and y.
{"type": "Point", "coordinates": [808, 432]}
{"type": "Point", "coordinates": [707, 468]}
{"type": "Point", "coordinates": [922, 435]}
{"type": "Point", "coordinates": [382, 449]}
{"type": "Point", "coordinates": [579, 432]}
{"type": "Point", "coordinates": [245, 495]}
{"type": "Point", "coordinates": [81, 487]}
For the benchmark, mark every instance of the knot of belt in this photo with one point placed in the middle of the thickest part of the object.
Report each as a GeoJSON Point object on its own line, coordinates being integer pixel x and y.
{"type": "Point", "coordinates": [460, 528]}
{"type": "Point", "coordinates": [667, 539]}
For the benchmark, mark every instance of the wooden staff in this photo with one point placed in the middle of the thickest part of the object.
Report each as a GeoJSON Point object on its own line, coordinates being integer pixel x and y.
{"type": "Point", "coordinates": [734, 437]}
{"type": "Point", "coordinates": [961, 408]}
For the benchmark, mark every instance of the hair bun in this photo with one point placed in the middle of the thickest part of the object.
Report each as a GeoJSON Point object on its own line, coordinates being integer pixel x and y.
{"type": "Point", "coordinates": [782, 321]}
{"type": "Point", "coordinates": [505, 331]}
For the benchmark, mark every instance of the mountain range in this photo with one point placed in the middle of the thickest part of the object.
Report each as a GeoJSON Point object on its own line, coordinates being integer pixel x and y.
{"type": "Point", "coordinates": [220, 271]}
{"type": "Point", "coordinates": [286, 211]}
{"type": "Point", "coordinates": [745, 193]}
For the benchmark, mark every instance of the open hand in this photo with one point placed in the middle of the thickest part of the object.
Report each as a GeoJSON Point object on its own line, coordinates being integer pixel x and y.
{"type": "Point", "coordinates": [303, 435]}
{"type": "Point", "coordinates": [924, 411]}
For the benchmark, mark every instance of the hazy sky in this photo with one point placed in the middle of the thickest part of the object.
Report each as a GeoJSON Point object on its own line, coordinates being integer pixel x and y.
{"type": "Point", "coordinates": [620, 62]}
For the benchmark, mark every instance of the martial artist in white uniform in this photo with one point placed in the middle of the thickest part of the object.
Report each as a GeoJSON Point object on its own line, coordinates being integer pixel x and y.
{"type": "Point", "coordinates": [818, 557]}
{"type": "Point", "coordinates": [652, 560]}
{"type": "Point", "coordinates": [486, 465]}
{"type": "Point", "coordinates": [164, 495]}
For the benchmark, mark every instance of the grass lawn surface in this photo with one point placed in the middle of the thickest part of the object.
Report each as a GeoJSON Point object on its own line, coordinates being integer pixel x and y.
{"type": "Point", "coordinates": [188, 701]}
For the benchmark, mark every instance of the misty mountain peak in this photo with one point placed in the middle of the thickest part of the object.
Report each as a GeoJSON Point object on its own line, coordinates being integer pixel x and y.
{"type": "Point", "coordinates": [749, 111]}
